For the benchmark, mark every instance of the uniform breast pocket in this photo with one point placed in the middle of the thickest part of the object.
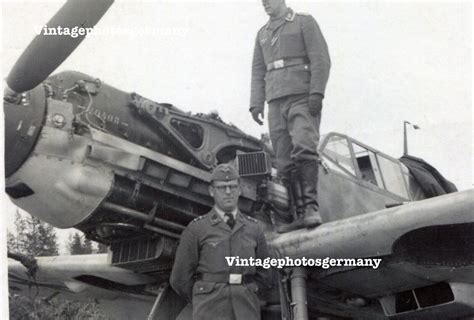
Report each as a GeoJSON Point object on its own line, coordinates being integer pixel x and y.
{"type": "Point", "coordinates": [247, 248]}
{"type": "Point", "coordinates": [292, 44]}
{"type": "Point", "coordinates": [213, 252]}
{"type": "Point", "coordinates": [250, 243]}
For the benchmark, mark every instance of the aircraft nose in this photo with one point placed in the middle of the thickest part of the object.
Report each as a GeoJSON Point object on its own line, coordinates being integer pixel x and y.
{"type": "Point", "coordinates": [23, 121]}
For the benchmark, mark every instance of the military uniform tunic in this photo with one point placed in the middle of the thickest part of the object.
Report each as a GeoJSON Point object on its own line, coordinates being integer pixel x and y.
{"type": "Point", "coordinates": [293, 36]}
{"type": "Point", "coordinates": [202, 250]}
{"type": "Point", "coordinates": [290, 62]}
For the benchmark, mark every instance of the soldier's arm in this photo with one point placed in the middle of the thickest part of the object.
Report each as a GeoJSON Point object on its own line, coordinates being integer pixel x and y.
{"type": "Point", "coordinates": [318, 55]}
{"type": "Point", "coordinates": [262, 252]}
{"type": "Point", "coordinates": [257, 91]}
{"type": "Point", "coordinates": [185, 264]}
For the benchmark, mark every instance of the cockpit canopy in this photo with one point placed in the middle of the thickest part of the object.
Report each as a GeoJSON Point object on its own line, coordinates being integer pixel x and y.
{"type": "Point", "coordinates": [349, 157]}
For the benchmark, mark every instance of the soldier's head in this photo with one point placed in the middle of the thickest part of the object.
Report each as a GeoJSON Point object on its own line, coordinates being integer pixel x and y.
{"type": "Point", "coordinates": [274, 8]}
{"type": "Point", "coordinates": [225, 187]}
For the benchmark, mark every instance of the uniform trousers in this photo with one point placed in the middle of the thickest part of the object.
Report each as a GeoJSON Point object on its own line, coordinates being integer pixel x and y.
{"type": "Point", "coordinates": [294, 132]}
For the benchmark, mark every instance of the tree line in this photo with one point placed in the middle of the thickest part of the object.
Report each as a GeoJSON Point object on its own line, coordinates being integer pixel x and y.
{"type": "Point", "coordinates": [35, 238]}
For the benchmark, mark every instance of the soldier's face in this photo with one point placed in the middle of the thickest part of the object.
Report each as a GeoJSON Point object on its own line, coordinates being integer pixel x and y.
{"type": "Point", "coordinates": [226, 194]}
{"type": "Point", "coordinates": [273, 7]}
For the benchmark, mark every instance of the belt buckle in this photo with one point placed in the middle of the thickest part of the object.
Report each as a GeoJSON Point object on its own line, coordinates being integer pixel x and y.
{"type": "Point", "coordinates": [235, 278]}
{"type": "Point", "coordinates": [278, 64]}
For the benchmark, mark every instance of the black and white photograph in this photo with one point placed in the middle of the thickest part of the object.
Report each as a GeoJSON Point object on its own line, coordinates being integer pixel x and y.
{"type": "Point", "coordinates": [237, 160]}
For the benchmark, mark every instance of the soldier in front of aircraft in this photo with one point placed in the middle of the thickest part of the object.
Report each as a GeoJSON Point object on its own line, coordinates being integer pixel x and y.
{"type": "Point", "coordinates": [202, 275]}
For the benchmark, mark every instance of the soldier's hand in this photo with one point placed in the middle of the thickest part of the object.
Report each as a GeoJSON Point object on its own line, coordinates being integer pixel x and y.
{"type": "Point", "coordinates": [315, 104]}
{"type": "Point", "coordinates": [256, 113]}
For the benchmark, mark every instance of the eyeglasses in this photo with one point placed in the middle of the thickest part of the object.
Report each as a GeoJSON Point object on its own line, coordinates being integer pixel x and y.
{"type": "Point", "coordinates": [232, 188]}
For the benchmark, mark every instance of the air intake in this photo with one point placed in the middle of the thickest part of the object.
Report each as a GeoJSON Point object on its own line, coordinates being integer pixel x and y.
{"type": "Point", "coordinates": [144, 254]}
{"type": "Point", "coordinates": [254, 164]}
{"type": "Point", "coordinates": [438, 301]}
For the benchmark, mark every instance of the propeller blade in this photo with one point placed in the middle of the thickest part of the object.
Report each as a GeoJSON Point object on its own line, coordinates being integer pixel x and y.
{"type": "Point", "coordinates": [46, 52]}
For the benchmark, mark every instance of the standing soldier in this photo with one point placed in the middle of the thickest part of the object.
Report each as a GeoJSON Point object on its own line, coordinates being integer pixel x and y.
{"type": "Point", "coordinates": [290, 70]}
{"type": "Point", "coordinates": [201, 273]}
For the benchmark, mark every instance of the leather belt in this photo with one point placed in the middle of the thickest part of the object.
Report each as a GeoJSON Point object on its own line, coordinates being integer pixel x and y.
{"type": "Point", "coordinates": [288, 62]}
{"type": "Point", "coordinates": [231, 278]}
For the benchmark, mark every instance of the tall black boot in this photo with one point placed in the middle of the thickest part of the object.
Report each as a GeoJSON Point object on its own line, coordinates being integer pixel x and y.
{"type": "Point", "coordinates": [309, 188]}
{"type": "Point", "coordinates": [297, 200]}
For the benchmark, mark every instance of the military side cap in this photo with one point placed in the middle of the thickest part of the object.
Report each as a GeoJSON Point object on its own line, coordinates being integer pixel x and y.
{"type": "Point", "coordinates": [224, 172]}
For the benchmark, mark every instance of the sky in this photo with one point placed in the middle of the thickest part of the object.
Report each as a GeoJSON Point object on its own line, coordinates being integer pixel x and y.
{"type": "Point", "coordinates": [391, 61]}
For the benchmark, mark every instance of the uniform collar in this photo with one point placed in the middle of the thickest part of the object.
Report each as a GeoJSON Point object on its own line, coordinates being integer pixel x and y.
{"type": "Point", "coordinates": [241, 219]}
{"type": "Point", "coordinates": [239, 223]}
{"type": "Point", "coordinates": [289, 16]}
{"type": "Point", "coordinates": [221, 213]}
{"type": "Point", "coordinates": [216, 218]}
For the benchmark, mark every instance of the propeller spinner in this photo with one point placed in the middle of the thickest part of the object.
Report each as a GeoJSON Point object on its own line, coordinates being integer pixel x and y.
{"type": "Point", "coordinates": [25, 111]}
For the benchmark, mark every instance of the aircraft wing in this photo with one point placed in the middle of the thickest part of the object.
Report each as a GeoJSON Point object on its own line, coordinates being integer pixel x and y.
{"type": "Point", "coordinates": [120, 293]}
{"type": "Point", "coordinates": [427, 260]}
